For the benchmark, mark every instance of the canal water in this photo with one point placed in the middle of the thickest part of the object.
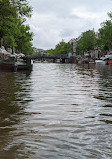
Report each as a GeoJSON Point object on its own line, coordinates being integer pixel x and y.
{"type": "Point", "coordinates": [57, 111]}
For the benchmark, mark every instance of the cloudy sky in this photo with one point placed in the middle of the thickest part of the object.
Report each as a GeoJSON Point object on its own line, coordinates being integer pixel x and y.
{"type": "Point", "coordinates": [54, 20]}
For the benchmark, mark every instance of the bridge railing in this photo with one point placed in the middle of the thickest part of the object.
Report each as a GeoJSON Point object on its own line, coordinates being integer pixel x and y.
{"type": "Point", "coordinates": [50, 57]}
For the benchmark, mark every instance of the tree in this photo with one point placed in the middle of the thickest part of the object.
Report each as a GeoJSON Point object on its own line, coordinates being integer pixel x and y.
{"type": "Point", "coordinates": [7, 18]}
{"type": "Point", "coordinates": [22, 8]}
{"type": "Point", "coordinates": [105, 35]}
{"type": "Point", "coordinates": [13, 14]}
{"type": "Point", "coordinates": [23, 39]}
{"type": "Point", "coordinates": [62, 48]}
{"type": "Point", "coordinates": [51, 51]}
{"type": "Point", "coordinates": [86, 42]}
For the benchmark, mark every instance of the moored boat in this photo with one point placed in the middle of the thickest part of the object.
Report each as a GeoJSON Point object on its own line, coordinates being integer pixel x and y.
{"type": "Point", "coordinates": [7, 61]}
{"type": "Point", "coordinates": [100, 62]}
{"type": "Point", "coordinates": [24, 63]}
{"type": "Point", "coordinates": [104, 60]}
{"type": "Point", "coordinates": [14, 62]}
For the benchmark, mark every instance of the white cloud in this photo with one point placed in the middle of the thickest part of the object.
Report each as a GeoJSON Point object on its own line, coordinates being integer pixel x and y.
{"type": "Point", "coordinates": [82, 13]}
{"type": "Point", "coordinates": [54, 20]}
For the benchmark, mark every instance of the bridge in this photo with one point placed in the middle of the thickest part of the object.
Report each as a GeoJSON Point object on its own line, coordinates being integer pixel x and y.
{"type": "Point", "coordinates": [62, 59]}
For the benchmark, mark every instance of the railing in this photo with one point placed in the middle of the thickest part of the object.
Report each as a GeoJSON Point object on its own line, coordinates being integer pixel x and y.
{"type": "Point", "coordinates": [49, 57]}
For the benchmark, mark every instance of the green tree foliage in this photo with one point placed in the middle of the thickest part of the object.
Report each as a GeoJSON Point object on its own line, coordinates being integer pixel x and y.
{"type": "Point", "coordinates": [105, 34]}
{"type": "Point", "coordinates": [13, 32]}
{"type": "Point", "coordinates": [86, 42]}
{"type": "Point", "coordinates": [22, 8]}
{"type": "Point", "coordinates": [7, 19]}
{"type": "Point", "coordinates": [61, 49]}
{"type": "Point", "coordinates": [39, 53]}
{"type": "Point", "coordinates": [23, 39]}
{"type": "Point", "coordinates": [51, 51]}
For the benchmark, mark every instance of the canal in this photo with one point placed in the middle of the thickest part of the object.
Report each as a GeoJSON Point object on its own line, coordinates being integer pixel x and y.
{"type": "Point", "coordinates": [57, 111]}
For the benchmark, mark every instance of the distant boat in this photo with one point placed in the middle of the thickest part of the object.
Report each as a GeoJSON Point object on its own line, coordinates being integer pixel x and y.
{"type": "Point", "coordinates": [100, 62]}
{"type": "Point", "coordinates": [104, 60]}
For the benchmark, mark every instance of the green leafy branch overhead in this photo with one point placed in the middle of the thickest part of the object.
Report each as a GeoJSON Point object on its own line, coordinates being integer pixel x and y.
{"type": "Point", "coordinates": [13, 14]}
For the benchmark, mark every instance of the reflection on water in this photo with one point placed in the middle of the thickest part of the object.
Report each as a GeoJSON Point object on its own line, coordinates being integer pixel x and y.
{"type": "Point", "coordinates": [13, 92]}
{"type": "Point", "coordinates": [56, 111]}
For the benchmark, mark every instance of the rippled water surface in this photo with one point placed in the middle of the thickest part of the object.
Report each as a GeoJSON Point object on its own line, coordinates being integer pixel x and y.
{"type": "Point", "coordinates": [57, 111]}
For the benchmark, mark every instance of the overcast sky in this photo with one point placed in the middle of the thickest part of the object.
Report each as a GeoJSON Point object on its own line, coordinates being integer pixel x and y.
{"type": "Point", "coordinates": [54, 20]}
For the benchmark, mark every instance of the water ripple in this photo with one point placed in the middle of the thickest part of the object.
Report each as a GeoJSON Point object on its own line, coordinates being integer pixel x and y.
{"type": "Point", "coordinates": [56, 111]}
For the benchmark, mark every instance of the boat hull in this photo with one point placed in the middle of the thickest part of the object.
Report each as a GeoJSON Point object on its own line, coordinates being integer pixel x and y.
{"type": "Point", "coordinates": [100, 62]}
{"type": "Point", "coordinates": [8, 66]}
{"type": "Point", "coordinates": [16, 64]}
{"type": "Point", "coordinates": [24, 67]}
